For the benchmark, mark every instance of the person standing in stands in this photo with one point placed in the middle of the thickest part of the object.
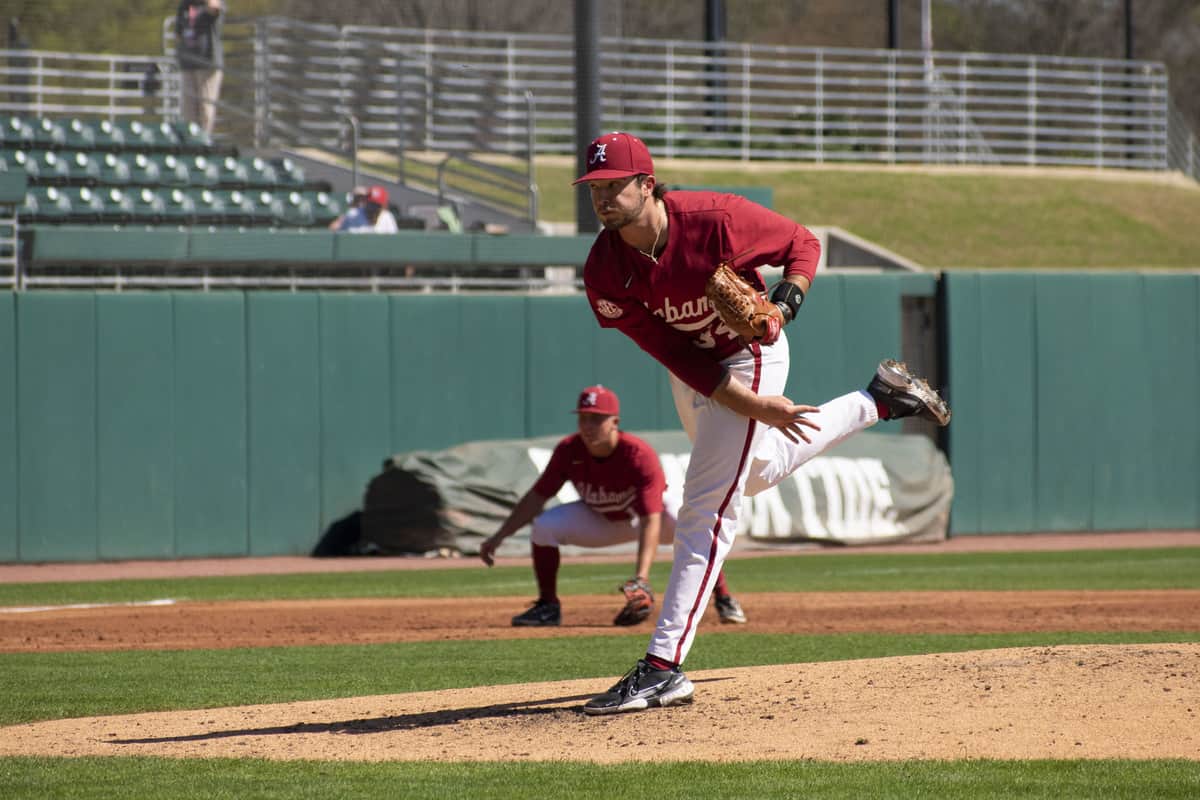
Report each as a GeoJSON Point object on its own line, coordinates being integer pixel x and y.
{"type": "Point", "coordinates": [201, 58]}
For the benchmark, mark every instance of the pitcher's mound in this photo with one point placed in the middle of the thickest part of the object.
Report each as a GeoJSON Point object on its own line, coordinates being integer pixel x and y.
{"type": "Point", "coordinates": [1070, 702]}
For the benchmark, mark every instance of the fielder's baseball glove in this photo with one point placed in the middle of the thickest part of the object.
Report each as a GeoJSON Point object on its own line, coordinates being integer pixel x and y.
{"type": "Point", "coordinates": [743, 310]}
{"type": "Point", "coordinates": [639, 602]}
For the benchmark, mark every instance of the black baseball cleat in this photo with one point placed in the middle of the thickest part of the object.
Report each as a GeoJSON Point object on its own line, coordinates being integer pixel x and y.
{"type": "Point", "coordinates": [904, 395]}
{"type": "Point", "coordinates": [729, 610]}
{"type": "Point", "coordinates": [643, 687]}
{"type": "Point", "coordinates": [539, 614]}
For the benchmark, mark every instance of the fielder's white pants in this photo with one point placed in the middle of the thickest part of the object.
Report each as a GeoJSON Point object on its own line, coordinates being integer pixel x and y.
{"type": "Point", "coordinates": [733, 456]}
{"type": "Point", "coordinates": [576, 524]}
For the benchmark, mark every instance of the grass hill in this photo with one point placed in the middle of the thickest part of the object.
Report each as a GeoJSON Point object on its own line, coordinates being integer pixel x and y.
{"type": "Point", "coordinates": [945, 218]}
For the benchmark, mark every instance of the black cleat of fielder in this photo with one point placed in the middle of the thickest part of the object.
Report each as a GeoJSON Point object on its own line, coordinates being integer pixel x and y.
{"type": "Point", "coordinates": [904, 395]}
{"type": "Point", "coordinates": [539, 614]}
{"type": "Point", "coordinates": [643, 687]}
{"type": "Point", "coordinates": [729, 611]}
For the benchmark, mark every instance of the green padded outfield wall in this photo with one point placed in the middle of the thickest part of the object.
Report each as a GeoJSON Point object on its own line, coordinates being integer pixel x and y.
{"type": "Point", "coordinates": [56, 427]}
{"type": "Point", "coordinates": [1074, 398]}
{"type": "Point", "coordinates": [135, 407]}
{"type": "Point", "coordinates": [9, 494]}
{"type": "Point", "coordinates": [211, 490]}
{"type": "Point", "coordinates": [157, 425]}
{"type": "Point", "coordinates": [190, 424]}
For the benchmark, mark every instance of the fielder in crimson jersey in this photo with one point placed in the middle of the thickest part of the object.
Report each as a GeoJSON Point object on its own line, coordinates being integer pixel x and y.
{"type": "Point", "coordinates": [621, 484]}
{"type": "Point", "coordinates": [646, 276]}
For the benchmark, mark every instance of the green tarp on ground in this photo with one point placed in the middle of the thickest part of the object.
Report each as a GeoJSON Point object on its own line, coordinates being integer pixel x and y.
{"type": "Point", "coordinates": [872, 489]}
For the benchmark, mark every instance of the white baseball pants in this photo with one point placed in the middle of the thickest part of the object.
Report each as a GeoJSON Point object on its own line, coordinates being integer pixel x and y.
{"type": "Point", "coordinates": [734, 456]}
{"type": "Point", "coordinates": [576, 524]}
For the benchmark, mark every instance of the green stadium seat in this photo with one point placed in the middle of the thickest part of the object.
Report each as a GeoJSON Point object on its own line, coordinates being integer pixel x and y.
{"type": "Point", "coordinates": [81, 135]}
{"type": "Point", "coordinates": [51, 168]}
{"type": "Point", "coordinates": [48, 134]}
{"type": "Point", "coordinates": [288, 172]}
{"type": "Point", "coordinates": [203, 170]}
{"type": "Point", "coordinates": [293, 208]}
{"type": "Point", "coordinates": [118, 205]}
{"type": "Point", "coordinates": [17, 133]}
{"type": "Point", "coordinates": [192, 138]}
{"type": "Point", "coordinates": [114, 170]}
{"type": "Point", "coordinates": [209, 206]}
{"type": "Point", "coordinates": [326, 207]}
{"type": "Point", "coordinates": [108, 136]}
{"type": "Point", "coordinates": [83, 169]}
{"type": "Point", "coordinates": [27, 211]}
{"type": "Point", "coordinates": [232, 172]}
{"type": "Point", "coordinates": [267, 209]}
{"type": "Point", "coordinates": [52, 203]}
{"type": "Point", "coordinates": [239, 208]}
{"type": "Point", "coordinates": [172, 171]}
{"type": "Point", "coordinates": [87, 205]}
{"type": "Point", "coordinates": [144, 170]}
{"type": "Point", "coordinates": [168, 137]}
{"type": "Point", "coordinates": [178, 207]}
{"type": "Point", "coordinates": [260, 174]}
{"type": "Point", "coordinates": [140, 136]}
{"type": "Point", "coordinates": [20, 159]}
{"type": "Point", "coordinates": [148, 206]}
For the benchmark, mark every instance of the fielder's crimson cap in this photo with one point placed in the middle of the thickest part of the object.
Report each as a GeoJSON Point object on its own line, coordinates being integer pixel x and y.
{"type": "Point", "coordinates": [377, 195]}
{"type": "Point", "coordinates": [616, 155]}
{"type": "Point", "coordinates": [598, 400]}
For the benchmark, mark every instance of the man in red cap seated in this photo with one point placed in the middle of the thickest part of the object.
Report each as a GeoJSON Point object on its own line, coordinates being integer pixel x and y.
{"type": "Point", "coordinates": [621, 485]}
{"type": "Point", "coordinates": [370, 213]}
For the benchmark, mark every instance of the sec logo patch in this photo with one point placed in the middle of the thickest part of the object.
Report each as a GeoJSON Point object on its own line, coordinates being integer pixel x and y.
{"type": "Point", "coordinates": [609, 309]}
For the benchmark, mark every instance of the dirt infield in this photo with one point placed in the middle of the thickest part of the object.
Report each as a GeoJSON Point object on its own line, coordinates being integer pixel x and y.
{"type": "Point", "coordinates": [1045, 702]}
{"type": "Point", "coordinates": [286, 623]}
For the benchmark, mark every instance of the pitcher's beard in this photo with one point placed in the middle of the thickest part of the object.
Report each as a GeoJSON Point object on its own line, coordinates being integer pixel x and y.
{"type": "Point", "coordinates": [616, 223]}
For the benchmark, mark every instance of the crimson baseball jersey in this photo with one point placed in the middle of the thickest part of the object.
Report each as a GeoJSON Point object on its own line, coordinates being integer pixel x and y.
{"type": "Point", "coordinates": [629, 482]}
{"type": "Point", "coordinates": [662, 305]}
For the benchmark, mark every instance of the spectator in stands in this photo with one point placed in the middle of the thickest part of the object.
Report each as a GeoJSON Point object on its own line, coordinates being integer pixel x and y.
{"type": "Point", "coordinates": [373, 214]}
{"type": "Point", "coordinates": [201, 58]}
{"type": "Point", "coordinates": [349, 218]}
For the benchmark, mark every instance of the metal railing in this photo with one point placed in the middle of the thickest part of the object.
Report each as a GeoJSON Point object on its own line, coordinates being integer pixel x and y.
{"type": "Point", "coordinates": [414, 90]}
{"type": "Point", "coordinates": [366, 75]}
{"type": "Point", "coordinates": [1183, 148]}
{"type": "Point", "coordinates": [446, 278]}
{"type": "Point", "coordinates": [10, 243]}
{"type": "Point", "coordinates": [49, 82]}
{"type": "Point", "coordinates": [454, 91]}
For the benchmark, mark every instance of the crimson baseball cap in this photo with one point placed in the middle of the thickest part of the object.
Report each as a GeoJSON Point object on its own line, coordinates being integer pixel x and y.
{"type": "Point", "coordinates": [377, 195]}
{"type": "Point", "coordinates": [616, 155]}
{"type": "Point", "coordinates": [598, 400]}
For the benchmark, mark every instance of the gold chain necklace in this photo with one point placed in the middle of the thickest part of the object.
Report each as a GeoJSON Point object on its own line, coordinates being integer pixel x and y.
{"type": "Point", "coordinates": [657, 234]}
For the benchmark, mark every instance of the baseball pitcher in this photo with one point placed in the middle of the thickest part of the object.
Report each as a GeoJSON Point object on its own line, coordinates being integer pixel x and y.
{"type": "Point", "coordinates": [677, 273]}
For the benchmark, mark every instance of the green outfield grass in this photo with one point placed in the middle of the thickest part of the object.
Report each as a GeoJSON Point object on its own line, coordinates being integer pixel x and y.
{"type": "Point", "coordinates": [944, 219]}
{"type": "Point", "coordinates": [40, 686]}
{"type": "Point", "coordinates": [216, 779]}
{"type": "Point", "coordinates": [1151, 568]}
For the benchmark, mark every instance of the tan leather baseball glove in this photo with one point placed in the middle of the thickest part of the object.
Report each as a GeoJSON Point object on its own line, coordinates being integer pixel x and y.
{"type": "Point", "coordinates": [639, 602]}
{"type": "Point", "coordinates": [743, 310]}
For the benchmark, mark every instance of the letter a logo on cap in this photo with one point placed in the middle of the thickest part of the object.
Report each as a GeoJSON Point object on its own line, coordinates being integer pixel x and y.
{"type": "Point", "coordinates": [614, 156]}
